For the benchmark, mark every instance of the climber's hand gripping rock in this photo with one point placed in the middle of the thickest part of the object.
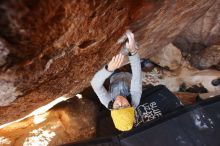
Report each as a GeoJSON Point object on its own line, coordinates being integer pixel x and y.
{"type": "Point", "coordinates": [131, 44]}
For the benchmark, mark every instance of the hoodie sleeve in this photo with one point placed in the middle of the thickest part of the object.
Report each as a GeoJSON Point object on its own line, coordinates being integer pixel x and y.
{"type": "Point", "coordinates": [97, 85]}
{"type": "Point", "coordinates": [136, 81]}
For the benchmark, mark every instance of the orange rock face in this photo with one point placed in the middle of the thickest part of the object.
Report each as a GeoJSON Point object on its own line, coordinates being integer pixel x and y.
{"type": "Point", "coordinates": [59, 45]}
{"type": "Point", "coordinates": [64, 123]}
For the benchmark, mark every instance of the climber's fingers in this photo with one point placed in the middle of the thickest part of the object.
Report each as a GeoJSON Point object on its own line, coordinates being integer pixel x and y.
{"type": "Point", "coordinates": [116, 62]}
{"type": "Point", "coordinates": [128, 32]}
{"type": "Point", "coordinates": [120, 60]}
{"type": "Point", "coordinates": [131, 44]}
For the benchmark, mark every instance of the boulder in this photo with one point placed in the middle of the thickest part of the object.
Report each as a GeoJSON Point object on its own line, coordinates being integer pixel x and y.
{"type": "Point", "coordinates": [168, 57]}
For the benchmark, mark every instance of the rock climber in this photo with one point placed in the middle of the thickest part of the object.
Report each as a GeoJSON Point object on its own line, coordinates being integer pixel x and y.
{"type": "Point", "coordinates": [123, 86]}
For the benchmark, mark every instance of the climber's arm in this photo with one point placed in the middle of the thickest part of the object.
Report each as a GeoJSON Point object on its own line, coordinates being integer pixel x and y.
{"type": "Point", "coordinates": [100, 77]}
{"type": "Point", "coordinates": [136, 81]}
{"type": "Point", "coordinates": [97, 85]}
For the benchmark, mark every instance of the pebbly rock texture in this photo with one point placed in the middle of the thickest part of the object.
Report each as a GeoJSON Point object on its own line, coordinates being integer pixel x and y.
{"type": "Point", "coordinates": [59, 45]}
{"type": "Point", "coordinates": [66, 122]}
{"type": "Point", "coordinates": [198, 40]}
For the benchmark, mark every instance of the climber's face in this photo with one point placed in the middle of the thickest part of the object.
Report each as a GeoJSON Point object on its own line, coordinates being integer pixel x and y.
{"type": "Point", "coordinates": [120, 102]}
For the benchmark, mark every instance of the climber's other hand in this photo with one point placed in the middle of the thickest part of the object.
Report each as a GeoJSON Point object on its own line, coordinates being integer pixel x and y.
{"type": "Point", "coordinates": [116, 62]}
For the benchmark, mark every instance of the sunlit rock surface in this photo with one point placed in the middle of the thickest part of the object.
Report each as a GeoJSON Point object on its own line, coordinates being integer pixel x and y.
{"type": "Point", "coordinates": [66, 122]}
{"type": "Point", "coordinates": [57, 46]}
{"type": "Point", "coordinates": [168, 57]}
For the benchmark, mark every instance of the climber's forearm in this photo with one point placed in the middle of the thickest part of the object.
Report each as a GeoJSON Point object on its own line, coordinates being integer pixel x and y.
{"type": "Point", "coordinates": [136, 81]}
{"type": "Point", "coordinates": [97, 85]}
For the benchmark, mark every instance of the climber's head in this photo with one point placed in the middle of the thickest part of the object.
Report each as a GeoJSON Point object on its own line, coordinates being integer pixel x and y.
{"type": "Point", "coordinates": [120, 102]}
{"type": "Point", "coordinates": [122, 114]}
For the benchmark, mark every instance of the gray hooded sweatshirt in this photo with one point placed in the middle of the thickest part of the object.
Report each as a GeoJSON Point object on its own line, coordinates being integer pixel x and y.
{"type": "Point", "coordinates": [120, 83]}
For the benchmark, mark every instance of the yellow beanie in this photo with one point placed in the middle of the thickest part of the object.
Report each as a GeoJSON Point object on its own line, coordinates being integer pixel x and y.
{"type": "Point", "coordinates": [123, 118]}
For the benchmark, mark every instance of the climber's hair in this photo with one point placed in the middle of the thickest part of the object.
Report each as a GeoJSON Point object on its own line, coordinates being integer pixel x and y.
{"type": "Point", "coordinates": [110, 104]}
